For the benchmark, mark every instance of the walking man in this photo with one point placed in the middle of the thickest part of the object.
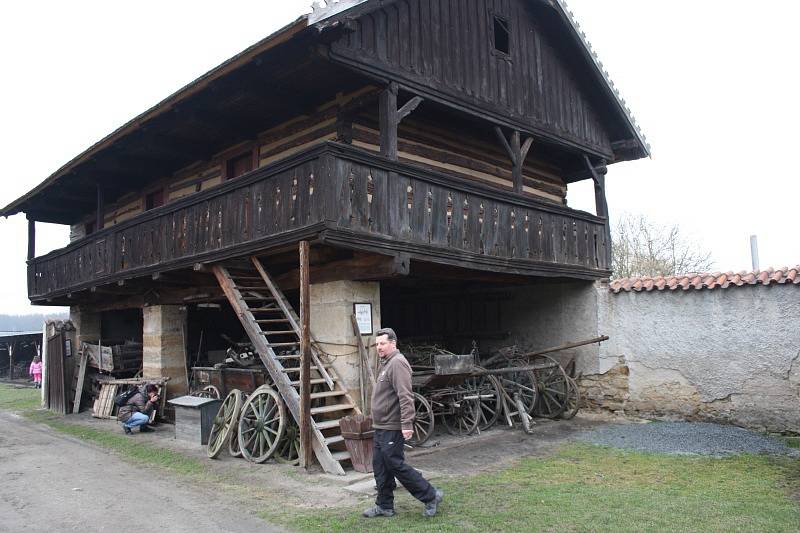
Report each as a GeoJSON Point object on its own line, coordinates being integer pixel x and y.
{"type": "Point", "coordinates": [393, 421]}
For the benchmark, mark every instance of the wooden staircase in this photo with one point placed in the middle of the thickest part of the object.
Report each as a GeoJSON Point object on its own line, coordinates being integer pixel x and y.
{"type": "Point", "coordinates": [274, 329]}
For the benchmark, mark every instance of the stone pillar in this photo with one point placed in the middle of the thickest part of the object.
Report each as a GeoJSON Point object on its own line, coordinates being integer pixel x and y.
{"type": "Point", "coordinates": [164, 346]}
{"type": "Point", "coordinates": [331, 326]}
{"type": "Point", "coordinates": [87, 325]}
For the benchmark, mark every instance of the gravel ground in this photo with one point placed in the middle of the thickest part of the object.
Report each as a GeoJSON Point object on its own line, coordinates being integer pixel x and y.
{"type": "Point", "coordinates": [689, 438]}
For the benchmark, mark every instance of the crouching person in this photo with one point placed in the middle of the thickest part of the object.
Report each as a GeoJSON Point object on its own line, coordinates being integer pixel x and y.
{"type": "Point", "coordinates": [137, 410]}
{"type": "Point", "coordinates": [393, 421]}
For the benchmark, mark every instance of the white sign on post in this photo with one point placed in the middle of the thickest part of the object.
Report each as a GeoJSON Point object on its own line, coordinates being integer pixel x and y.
{"type": "Point", "coordinates": [363, 314]}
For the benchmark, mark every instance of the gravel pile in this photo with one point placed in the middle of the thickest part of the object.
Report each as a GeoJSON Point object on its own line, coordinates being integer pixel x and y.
{"type": "Point", "coordinates": [690, 438]}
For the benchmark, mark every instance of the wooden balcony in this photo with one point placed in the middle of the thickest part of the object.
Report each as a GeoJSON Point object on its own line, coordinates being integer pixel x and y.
{"type": "Point", "coordinates": [343, 197]}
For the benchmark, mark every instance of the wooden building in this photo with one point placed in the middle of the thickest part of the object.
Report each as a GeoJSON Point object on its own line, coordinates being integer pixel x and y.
{"type": "Point", "coordinates": [422, 147]}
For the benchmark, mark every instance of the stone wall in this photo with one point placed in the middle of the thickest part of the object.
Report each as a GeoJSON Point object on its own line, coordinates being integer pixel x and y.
{"type": "Point", "coordinates": [164, 347]}
{"type": "Point", "coordinates": [726, 355]}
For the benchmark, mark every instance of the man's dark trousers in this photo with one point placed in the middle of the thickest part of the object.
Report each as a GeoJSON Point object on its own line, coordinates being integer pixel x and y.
{"type": "Point", "coordinates": [389, 462]}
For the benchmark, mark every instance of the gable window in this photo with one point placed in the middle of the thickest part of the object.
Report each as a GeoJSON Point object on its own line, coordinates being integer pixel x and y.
{"type": "Point", "coordinates": [154, 199]}
{"type": "Point", "coordinates": [241, 164]}
{"type": "Point", "coordinates": [502, 36]}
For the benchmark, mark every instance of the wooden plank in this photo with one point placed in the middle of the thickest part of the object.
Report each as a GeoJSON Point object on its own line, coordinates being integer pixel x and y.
{"type": "Point", "coordinates": [81, 371]}
{"type": "Point", "coordinates": [305, 360]}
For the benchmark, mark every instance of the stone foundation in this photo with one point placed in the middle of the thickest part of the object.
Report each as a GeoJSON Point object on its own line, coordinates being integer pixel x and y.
{"type": "Point", "coordinates": [331, 326]}
{"type": "Point", "coordinates": [87, 325]}
{"type": "Point", "coordinates": [164, 347]}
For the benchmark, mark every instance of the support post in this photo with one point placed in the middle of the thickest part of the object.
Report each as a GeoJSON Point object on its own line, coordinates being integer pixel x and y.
{"type": "Point", "coordinates": [601, 203]}
{"type": "Point", "coordinates": [10, 361]}
{"type": "Point", "coordinates": [305, 359]}
{"type": "Point", "coordinates": [390, 118]}
{"type": "Point", "coordinates": [517, 153]}
{"type": "Point", "coordinates": [100, 207]}
{"type": "Point", "coordinates": [31, 238]}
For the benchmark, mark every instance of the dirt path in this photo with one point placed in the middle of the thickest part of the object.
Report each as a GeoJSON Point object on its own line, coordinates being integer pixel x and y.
{"type": "Point", "coordinates": [51, 482]}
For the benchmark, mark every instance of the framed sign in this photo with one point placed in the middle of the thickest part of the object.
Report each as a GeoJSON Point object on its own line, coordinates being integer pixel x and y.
{"type": "Point", "coordinates": [363, 314]}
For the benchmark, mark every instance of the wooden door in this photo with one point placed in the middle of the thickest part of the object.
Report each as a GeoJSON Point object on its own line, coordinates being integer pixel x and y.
{"type": "Point", "coordinates": [55, 370]}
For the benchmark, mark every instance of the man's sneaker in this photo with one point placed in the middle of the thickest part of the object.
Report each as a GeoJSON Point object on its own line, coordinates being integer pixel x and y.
{"type": "Point", "coordinates": [145, 429]}
{"type": "Point", "coordinates": [127, 430]}
{"type": "Point", "coordinates": [430, 507]}
{"type": "Point", "coordinates": [376, 511]}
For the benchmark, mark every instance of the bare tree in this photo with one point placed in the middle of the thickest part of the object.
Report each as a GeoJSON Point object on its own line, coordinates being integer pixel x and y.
{"type": "Point", "coordinates": [643, 248]}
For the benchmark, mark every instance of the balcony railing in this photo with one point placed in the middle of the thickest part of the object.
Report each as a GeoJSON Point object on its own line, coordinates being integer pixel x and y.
{"type": "Point", "coordinates": [345, 197]}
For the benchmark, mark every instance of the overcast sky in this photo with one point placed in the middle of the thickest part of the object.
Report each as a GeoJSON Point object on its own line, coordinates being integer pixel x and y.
{"type": "Point", "coordinates": [710, 82]}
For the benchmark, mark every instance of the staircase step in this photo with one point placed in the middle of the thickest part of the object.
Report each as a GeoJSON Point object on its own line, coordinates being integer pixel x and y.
{"type": "Point", "coordinates": [313, 367]}
{"type": "Point", "coordinates": [334, 440]}
{"type": "Point", "coordinates": [331, 408]}
{"type": "Point", "coordinates": [285, 357]}
{"type": "Point", "coordinates": [279, 344]}
{"type": "Point", "coordinates": [327, 394]}
{"type": "Point", "coordinates": [263, 288]}
{"type": "Point", "coordinates": [341, 456]}
{"type": "Point", "coordinates": [273, 320]}
{"type": "Point", "coordinates": [286, 332]}
{"type": "Point", "coordinates": [257, 298]}
{"type": "Point", "coordinates": [314, 381]}
{"type": "Point", "coordinates": [327, 424]}
{"type": "Point", "coordinates": [265, 310]}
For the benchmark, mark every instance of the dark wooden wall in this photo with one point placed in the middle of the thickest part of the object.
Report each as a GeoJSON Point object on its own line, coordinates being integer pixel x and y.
{"type": "Point", "coordinates": [353, 198]}
{"type": "Point", "coordinates": [447, 46]}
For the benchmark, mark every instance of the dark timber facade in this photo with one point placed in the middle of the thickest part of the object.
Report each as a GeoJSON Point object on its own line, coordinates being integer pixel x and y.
{"type": "Point", "coordinates": [417, 145]}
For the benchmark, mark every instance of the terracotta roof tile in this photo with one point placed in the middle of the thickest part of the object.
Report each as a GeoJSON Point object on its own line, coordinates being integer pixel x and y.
{"type": "Point", "coordinates": [722, 280]}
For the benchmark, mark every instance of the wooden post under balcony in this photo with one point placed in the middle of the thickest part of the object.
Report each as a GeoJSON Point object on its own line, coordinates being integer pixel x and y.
{"type": "Point", "coordinates": [601, 202]}
{"type": "Point", "coordinates": [306, 452]}
{"type": "Point", "coordinates": [390, 118]}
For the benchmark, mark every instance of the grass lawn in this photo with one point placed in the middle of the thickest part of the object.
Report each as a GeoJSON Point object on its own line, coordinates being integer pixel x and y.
{"type": "Point", "coordinates": [581, 488]}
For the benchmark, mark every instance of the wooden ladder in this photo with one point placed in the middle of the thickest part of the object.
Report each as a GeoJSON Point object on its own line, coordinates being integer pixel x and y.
{"type": "Point", "coordinates": [274, 329]}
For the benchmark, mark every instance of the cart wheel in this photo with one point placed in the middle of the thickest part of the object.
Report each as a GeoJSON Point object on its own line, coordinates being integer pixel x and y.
{"type": "Point", "coordinates": [262, 424]}
{"type": "Point", "coordinates": [224, 423]}
{"type": "Point", "coordinates": [463, 416]}
{"type": "Point", "coordinates": [233, 442]}
{"type": "Point", "coordinates": [553, 388]}
{"type": "Point", "coordinates": [209, 391]}
{"type": "Point", "coordinates": [491, 403]}
{"type": "Point", "coordinates": [288, 450]}
{"type": "Point", "coordinates": [423, 420]}
{"type": "Point", "coordinates": [522, 383]}
{"type": "Point", "coordinates": [573, 400]}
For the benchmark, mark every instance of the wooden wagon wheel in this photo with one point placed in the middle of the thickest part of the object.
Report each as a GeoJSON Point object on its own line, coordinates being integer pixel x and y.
{"type": "Point", "coordinates": [262, 424]}
{"type": "Point", "coordinates": [488, 387]}
{"type": "Point", "coordinates": [209, 391]}
{"type": "Point", "coordinates": [464, 414]}
{"type": "Point", "coordinates": [288, 450]}
{"type": "Point", "coordinates": [522, 383]}
{"type": "Point", "coordinates": [233, 442]}
{"type": "Point", "coordinates": [553, 388]}
{"type": "Point", "coordinates": [573, 400]}
{"type": "Point", "coordinates": [423, 420]}
{"type": "Point", "coordinates": [224, 423]}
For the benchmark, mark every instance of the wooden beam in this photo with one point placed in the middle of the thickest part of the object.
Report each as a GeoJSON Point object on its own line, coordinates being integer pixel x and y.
{"type": "Point", "coordinates": [517, 152]}
{"type": "Point", "coordinates": [11, 360]}
{"type": "Point", "coordinates": [390, 118]}
{"type": "Point", "coordinates": [31, 238]}
{"type": "Point", "coordinates": [100, 207]}
{"type": "Point", "coordinates": [305, 359]}
{"type": "Point", "coordinates": [362, 267]}
{"type": "Point", "coordinates": [601, 203]}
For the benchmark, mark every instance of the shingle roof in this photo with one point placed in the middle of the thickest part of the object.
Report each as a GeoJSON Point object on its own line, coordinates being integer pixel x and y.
{"type": "Point", "coordinates": [717, 280]}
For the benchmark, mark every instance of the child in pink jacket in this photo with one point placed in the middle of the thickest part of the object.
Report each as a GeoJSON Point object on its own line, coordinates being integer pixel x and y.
{"type": "Point", "coordinates": [35, 371]}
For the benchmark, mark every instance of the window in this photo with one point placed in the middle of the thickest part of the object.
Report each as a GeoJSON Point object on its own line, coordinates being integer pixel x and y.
{"type": "Point", "coordinates": [154, 199]}
{"type": "Point", "coordinates": [241, 164]}
{"type": "Point", "coordinates": [502, 36]}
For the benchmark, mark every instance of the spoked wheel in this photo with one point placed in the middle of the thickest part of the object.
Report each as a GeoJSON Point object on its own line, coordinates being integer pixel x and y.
{"type": "Point", "coordinates": [262, 424]}
{"type": "Point", "coordinates": [233, 442]}
{"type": "Point", "coordinates": [224, 423]}
{"type": "Point", "coordinates": [423, 421]}
{"type": "Point", "coordinates": [522, 383]}
{"type": "Point", "coordinates": [464, 413]}
{"type": "Point", "coordinates": [553, 387]}
{"type": "Point", "coordinates": [288, 450]}
{"type": "Point", "coordinates": [573, 400]}
{"type": "Point", "coordinates": [209, 391]}
{"type": "Point", "coordinates": [488, 387]}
